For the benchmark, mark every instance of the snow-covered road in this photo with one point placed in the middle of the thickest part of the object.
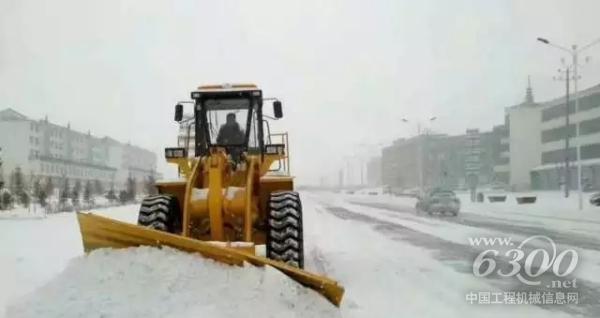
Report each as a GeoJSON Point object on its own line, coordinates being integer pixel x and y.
{"type": "Point", "coordinates": [392, 262]}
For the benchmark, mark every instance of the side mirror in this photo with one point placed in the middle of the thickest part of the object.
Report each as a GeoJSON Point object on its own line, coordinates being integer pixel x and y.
{"type": "Point", "coordinates": [277, 111]}
{"type": "Point", "coordinates": [178, 112]}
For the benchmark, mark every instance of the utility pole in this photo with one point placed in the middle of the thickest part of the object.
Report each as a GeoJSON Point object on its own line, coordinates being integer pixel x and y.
{"type": "Point", "coordinates": [420, 157]}
{"type": "Point", "coordinates": [567, 174]}
{"type": "Point", "coordinates": [578, 147]}
{"type": "Point", "coordinates": [567, 168]}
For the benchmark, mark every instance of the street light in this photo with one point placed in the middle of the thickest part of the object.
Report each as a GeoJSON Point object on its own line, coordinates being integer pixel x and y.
{"type": "Point", "coordinates": [574, 51]}
{"type": "Point", "coordinates": [567, 175]}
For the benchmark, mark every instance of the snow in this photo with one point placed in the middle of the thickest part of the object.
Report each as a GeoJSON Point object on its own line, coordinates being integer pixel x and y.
{"type": "Point", "coordinates": [44, 273]}
{"type": "Point", "coordinates": [150, 282]}
{"type": "Point", "coordinates": [390, 278]}
{"type": "Point", "coordinates": [391, 264]}
{"type": "Point", "coordinates": [34, 212]}
{"type": "Point", "coordinates": [33, 251]}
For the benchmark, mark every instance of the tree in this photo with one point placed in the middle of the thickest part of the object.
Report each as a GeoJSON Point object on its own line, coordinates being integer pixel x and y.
{"type": "Point", "coordinates": [111, 195]}
{"type": "Point", "coordinates": [87, 192]}
{"type": "Point", "coordinates": [75, 193]}
{"type": "Point", "coordinates": [37, 188]}
{"type": "Point", "coordinates": [17, 182]}
{"type": "Point", "coordinates": [150, 186]}
{"type": "Point", "coordinates": [42, 198]}
{"type": "Point", "coordinates": [98, 188]}
{"type": "Point", "coordinates": [25, 199]}
{"type": "Point", "coordinates": [64, 193]}
{"type": "Point", "coordinates": [131, 189]}
{"type": "Point", "coordinates": [7, 199]}
{"type": "Point", "coordinates": [123, 197]}
{"type": "Point", "coordinates": [49, 188]}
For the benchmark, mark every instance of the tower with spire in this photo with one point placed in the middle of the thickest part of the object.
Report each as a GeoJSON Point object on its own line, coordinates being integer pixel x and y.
{"type": "Point", "coordinates": [529, 92]}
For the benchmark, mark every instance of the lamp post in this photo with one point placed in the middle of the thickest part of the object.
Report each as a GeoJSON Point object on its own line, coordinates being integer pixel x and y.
{"type": "Point", "coordinates": [567, 174]}
{"type": "Point", "coordinates": [574, 51]}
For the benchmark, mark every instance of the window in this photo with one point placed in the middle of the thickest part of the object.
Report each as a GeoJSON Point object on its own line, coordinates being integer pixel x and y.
{"type": "Point", "coordinates": [556, 156]}
{"type": "Point", "coordinates": [590, 151]}
{"type": "Point", "coordinates": [589, 102]}
{"type": "Point", "coordinates": [557, 111]}
{"type": "Point", "coordinates": [557, 133]}
{"type": "Point", "coordinates": [591, 126]}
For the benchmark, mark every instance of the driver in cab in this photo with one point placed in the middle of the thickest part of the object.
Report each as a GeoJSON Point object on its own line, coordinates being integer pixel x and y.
{"type": "Point", "coordinates": [230, 133]}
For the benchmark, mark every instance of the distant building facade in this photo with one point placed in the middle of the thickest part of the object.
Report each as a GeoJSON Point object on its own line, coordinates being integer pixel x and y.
{"type": "Point", "coordinates": [444, 160]}
{"type": "Point", "coordinates": [584, 132]}
{"type": "Point", "coordinates": [46, 150]}
{"type": "Point", "coordinates": [374, 172]}
{"type": "Point", "coordinates": [532, 141]}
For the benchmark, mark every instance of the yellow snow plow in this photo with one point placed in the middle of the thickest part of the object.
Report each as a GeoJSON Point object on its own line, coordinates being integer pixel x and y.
{"type": "Point", "coordinates": [235, 192]}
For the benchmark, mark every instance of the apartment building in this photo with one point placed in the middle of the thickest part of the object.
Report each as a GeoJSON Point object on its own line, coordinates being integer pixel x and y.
{"type": "Point", "coordinates": [44, 149]}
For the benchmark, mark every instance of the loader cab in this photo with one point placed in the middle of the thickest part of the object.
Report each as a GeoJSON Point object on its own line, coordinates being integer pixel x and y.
{"type": "Point", "coordinates": [230, 117]}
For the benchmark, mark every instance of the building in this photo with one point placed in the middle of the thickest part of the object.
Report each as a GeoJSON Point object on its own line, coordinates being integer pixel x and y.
{"type": "Point", "coordinates": [523, 124]}
{"type": "Point", "coordinates": [584, 132]}
{"type": "Point", "coordinates": [374, 172]}
{"type": "Point", "coordinates": [501, 153]}
{"type": "Point", "coordinates": [532, 141]}
{"type": "Point", "coordinates": [49, 151]}
{"type": "Point", "coordinates": [441, 159]}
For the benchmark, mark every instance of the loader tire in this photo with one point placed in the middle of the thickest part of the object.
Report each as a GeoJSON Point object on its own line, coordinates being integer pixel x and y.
{"type": "Point", "coordinates": [285, 240]}
{"type": "Point", "coordinates": [160, 212]}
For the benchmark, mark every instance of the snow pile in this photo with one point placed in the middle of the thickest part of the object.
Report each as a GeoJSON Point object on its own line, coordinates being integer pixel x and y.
{"type": "Point", "coordinates": [150, 282]}
{"type": "Point", "coordinates": [34, 212]}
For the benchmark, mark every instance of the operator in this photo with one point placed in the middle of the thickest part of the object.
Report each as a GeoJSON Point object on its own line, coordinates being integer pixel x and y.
{"type": "Point", "coordinates": [230, 132]}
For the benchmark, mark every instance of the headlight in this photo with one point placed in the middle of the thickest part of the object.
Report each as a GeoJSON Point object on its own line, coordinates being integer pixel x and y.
{"type": "Point", "coordinates": [175, 153]}
{"type": "Point", "coordinates": [275, 149]}
{"type": "Point", "coordinates": [195, 95]}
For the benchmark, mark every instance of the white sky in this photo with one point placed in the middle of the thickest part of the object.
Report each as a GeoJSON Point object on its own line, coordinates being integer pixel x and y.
{"type": "Point", "coordinates": [347, 71]}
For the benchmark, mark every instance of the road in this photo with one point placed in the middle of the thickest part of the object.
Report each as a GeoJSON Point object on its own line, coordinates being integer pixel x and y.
{"type": "Point", "coordinates": [427, 261]}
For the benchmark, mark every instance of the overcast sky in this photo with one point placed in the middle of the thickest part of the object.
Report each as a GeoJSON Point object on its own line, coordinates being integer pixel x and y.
{"type": "Point", "coordinates": [347, 71]}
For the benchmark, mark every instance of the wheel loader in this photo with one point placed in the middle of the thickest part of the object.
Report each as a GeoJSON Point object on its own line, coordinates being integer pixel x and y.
{"type": "Point", "coordinates": [234, 192]}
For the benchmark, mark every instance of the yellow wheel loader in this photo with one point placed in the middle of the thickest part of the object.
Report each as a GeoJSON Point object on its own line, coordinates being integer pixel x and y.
{"type": "Point", "coordinates": [235, 192]}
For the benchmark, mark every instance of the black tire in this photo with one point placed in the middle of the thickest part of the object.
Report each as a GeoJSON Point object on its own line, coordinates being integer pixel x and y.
{"type": "Point", "coordinates": [285, 239]}
{"type": "Point", "coordinates": [160, 212]}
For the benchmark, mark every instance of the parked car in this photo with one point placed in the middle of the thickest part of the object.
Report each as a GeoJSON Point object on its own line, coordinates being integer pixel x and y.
{"type": "Point", "coordinates": [438, 201]}
{"type": "Point", "coordinates": [595, 199]}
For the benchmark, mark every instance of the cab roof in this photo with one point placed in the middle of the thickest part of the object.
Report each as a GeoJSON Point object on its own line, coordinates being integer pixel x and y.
{"type": "Point", "coordinates": [227, 87]}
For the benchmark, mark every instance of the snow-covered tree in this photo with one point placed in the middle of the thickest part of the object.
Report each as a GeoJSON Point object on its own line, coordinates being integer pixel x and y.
{"type": "Point", "coordinates": [49, 186]}
{"type": "Point", "coordinates": [64, 192]}
{"type": "Point", "coordinates": [131, 189]}
{"type": "Point", "coordinates": [76, 192]}
{"type": "Point", "coordinates": [24, 199]}
{"type": "Point", "coordinates": [124, 197]}
{"type": "Point", "coordinates": [87, 192]}
{"type": "Point", "coordinates": [37, 188]}
{"type": "Point", "coordinates": [149, 185]}
{"type": "Point", "coordinates": [17, 182]}
{"type": "Point", "coordinates": [111, 196]}
{"type": "Point", "coordinates": [98, 189]}
{"type": "Point", "coordinates": [42, 198]}
{"type": "Point", "coordinates": [7, 200]}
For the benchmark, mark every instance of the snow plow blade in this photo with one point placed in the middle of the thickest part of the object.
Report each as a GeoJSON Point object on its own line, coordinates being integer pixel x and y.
{"type": "Point", "coordinates": [101, 232]}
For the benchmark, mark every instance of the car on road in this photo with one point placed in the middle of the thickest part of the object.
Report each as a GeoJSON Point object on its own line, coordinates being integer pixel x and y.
{"type": "Point", "coordinates": [595, 199]}
{"type": "Point", "coordinates": [438, 201]}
